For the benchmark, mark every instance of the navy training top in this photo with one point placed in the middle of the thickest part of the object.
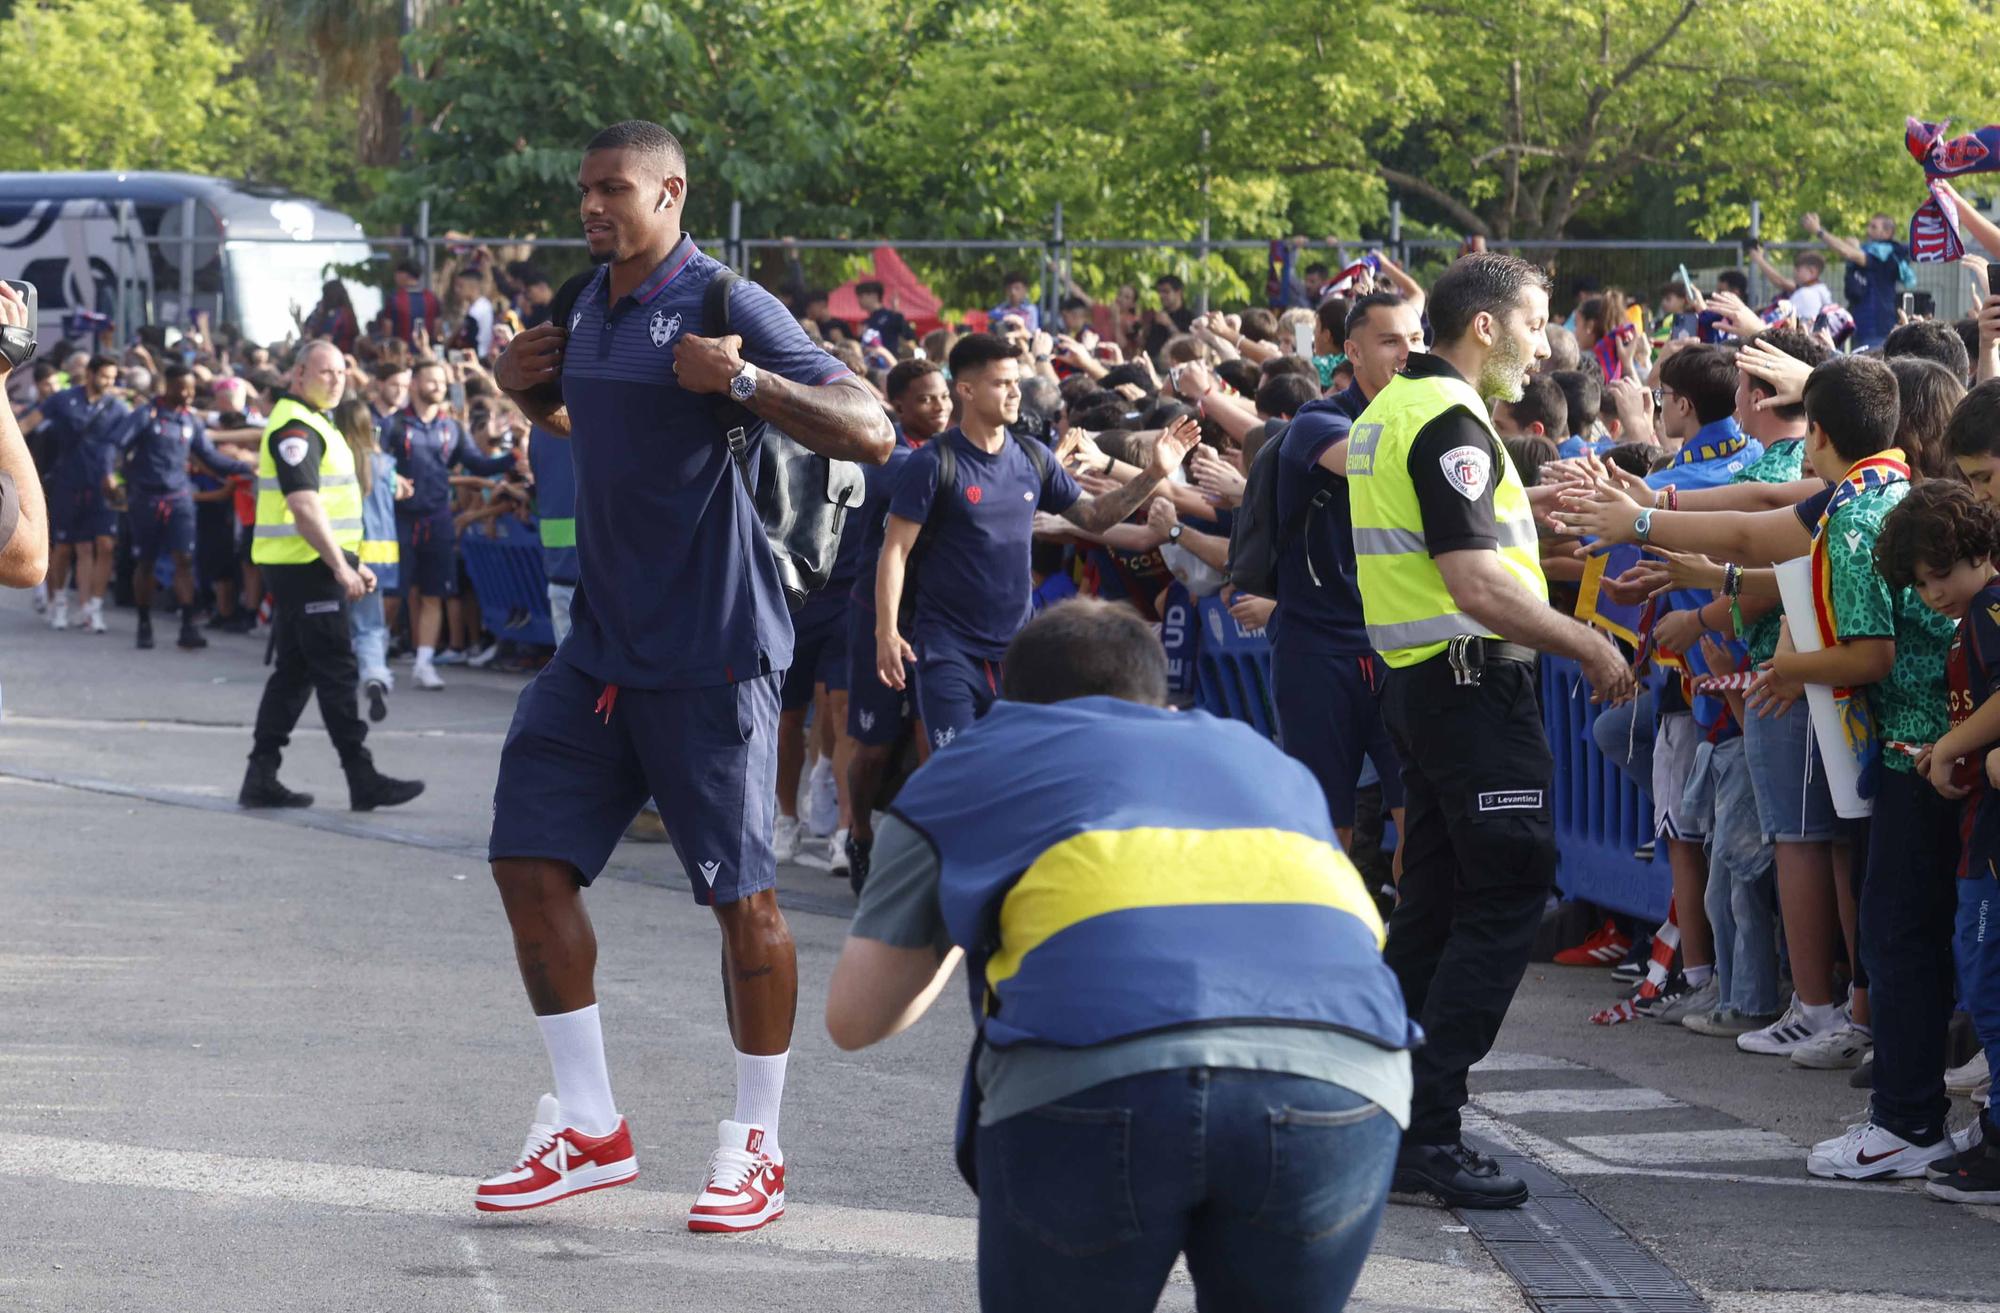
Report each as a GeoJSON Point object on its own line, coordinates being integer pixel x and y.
{"type": "Point", "coordinates": [157, 443]}
{"type": "Point", "coordinates": [1320, 618]}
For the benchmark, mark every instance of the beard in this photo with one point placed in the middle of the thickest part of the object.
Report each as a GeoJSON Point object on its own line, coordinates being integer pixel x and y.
{"type": "Point", "coordinates": [1506, 371]}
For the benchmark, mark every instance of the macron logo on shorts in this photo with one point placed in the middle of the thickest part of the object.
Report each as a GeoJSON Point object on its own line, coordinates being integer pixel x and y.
{"type": "Point", "coordinates": [1512, 800]}
{"type": "Point", "coordinates": [708, 870]}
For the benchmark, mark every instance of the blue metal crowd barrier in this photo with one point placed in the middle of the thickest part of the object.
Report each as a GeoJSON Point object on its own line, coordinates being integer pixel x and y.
{"type": "Point", "coordinates": [507, 575]}
{"type": "Point", "coordinates": [1601, 817]}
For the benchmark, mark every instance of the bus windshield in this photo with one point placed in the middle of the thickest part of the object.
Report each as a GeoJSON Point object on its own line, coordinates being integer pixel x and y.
{"type": "Point", "coordinates": [269, 281]}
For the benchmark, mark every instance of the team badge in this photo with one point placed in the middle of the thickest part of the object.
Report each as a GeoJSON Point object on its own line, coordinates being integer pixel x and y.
{"type": "Point", "coordinates": [663, 327]}
{"type": "Point", "coordinates": [973, 494]}
{"type": "Point", "coordinates": [292, 450]}
{"type": "Point", "coordinates": [867, 719]}
{"type": "Point", "coordinates": [1467, 469]}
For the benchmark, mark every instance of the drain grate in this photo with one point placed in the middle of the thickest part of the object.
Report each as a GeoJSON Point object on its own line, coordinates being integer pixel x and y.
{"type": "Point", "coordinates": [1568, 1257]}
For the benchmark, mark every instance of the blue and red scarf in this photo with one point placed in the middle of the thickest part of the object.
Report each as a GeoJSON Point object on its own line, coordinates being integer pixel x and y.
{"type": "Point", "coordinates": [1934, 231]}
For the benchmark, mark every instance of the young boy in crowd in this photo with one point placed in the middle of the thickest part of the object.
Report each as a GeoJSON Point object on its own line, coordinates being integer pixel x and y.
{"type": "Point", "coordinates": [1943, 541]}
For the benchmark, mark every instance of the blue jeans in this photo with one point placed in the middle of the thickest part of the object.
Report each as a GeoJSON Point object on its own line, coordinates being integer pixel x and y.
{"type": "Point", "coordinates": [1624, 734]}
{"type": "Point", "coordinates": [371, 638]}
{"type": "Point", "coordinates": [1273, 1185]}
{"type": "Point", "coordinates": [1742, 888]}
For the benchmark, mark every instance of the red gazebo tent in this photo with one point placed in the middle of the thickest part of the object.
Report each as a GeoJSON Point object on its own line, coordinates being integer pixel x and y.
{"type": "Point", "coordinates": [902, 291]}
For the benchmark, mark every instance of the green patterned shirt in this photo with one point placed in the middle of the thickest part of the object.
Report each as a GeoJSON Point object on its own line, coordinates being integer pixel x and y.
{"type": "Point", "coordinates": [1782, 462]}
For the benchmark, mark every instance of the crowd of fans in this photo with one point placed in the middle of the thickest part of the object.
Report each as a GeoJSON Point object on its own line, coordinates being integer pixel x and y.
{"type": "Point", "coordinates": [1719, 412]}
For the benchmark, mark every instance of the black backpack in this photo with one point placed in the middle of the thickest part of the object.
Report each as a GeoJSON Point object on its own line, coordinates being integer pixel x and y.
{"type": "Point", "coordinates": [1257, 537]}
{"type": "Point", "coordinates": [801, 496]}
{"type": "Point", "coordinates": [1038, 456]}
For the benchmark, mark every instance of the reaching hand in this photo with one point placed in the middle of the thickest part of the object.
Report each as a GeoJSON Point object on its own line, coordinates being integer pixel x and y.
{"type": "Point", "coordinates": [1786, 373]}
{"type": "Point", "coordinates": [1077, 449]}
{"type": "Point", "coordinates": [1216, 477]}
{"type": "Point", "coordinates": [1173, 445]}
{"type": "Point", "coordinates": [1678, 631]}
{"type": "Point", "coordinates": [1740, 318]}
{"type": "Point", "coordinates": [1688, 570]}
{"type": "Point", "coordinates": [1772, 694]}
{"type": "Point", "coordinates": [1810, 222]}
{"type": "Point", "coordinates": [1611, 680]}
{"type": "Point", "coordinates": [1719, 659]}
{"type": "Point", "coordinates": [1606, 514]}
{"type": "Point", "coordinates": [1161, 517]}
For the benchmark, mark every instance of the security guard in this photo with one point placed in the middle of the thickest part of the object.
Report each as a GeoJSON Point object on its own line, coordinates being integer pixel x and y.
{"type": "Point", "coordinates": [307, 536]}
{"type": "Point", "coordinates": [1454, 600]}
{"type": "Point", "coordinates": [1187, 1038]}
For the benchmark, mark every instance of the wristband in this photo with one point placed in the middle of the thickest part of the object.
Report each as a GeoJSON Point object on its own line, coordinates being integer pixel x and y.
{"type": "Point", "coordinates": [1673, 498]}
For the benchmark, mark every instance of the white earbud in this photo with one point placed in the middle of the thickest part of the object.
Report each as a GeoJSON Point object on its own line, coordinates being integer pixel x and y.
{"type": "Point", "coordinates": [664, 198]}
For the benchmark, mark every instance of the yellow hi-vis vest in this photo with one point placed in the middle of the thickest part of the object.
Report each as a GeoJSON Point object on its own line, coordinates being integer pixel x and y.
{"type": "Point", "coordinates": [1408, 609]}
{"type": "Point", "coordinates": [276, 540]}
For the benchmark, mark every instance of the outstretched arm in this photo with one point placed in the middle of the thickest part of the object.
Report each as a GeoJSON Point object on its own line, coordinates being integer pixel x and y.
{"type": "Point", "coordinates": [1099, 513]}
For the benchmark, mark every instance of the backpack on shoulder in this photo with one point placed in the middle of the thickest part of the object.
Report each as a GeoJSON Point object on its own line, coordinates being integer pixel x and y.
{"type": "Point", "coordinates": [1257, 537]}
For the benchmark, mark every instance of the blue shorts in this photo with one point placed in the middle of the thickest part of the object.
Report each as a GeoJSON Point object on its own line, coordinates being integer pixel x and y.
{"type": "Point", "coordinates": [427, 550]}
{"type": "Point", "coordinates": [876, 713]}
{"type": "Point", "coordinates": [819, 653]}
{"type": "Point", "coordinates": [80, 515]}
{"type": "Point", "coordinates": [162, 524]}
{"type": "Point", "coordinates": [582, 757]}
{"type": "Point", "coordinates": [1329, 718]}
{"type": "Point", "coordinates": [954, 689]}
{"type": "Point", "coordinates": [1793, 804]}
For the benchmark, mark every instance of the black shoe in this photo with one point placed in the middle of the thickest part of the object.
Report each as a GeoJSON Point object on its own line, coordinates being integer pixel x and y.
{"type": "Point", "coordinates": [240, 623]}
{"type": "Point", "coordinates": [368, 788]}
{"type": "Point", "coordinates": [857, 863]}
{"type": "Point", "coordinates": [144, 641]}
{"type": "Point", "coordinates": [261, 789]}
{"type": "Point", "coordinates": [1863, 1076]}
{"type": "Point", "coordinates": [378, 701]}
{"type": "Point", "coordinates": [1458, 1176]}
{"type": "Point", "coordinates": [1974, 1178]}
{"type": "Point", "coordinates": [191, 639]}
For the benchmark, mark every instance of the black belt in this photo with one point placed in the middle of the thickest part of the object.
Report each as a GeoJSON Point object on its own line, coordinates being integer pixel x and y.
{"type": "Point", "coordinates": [1468, 654]}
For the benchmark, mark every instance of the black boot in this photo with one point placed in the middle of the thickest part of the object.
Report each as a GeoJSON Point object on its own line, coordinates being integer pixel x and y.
{"type": "Point", "coordinates": [1457, 1175]}
{"type": "Point", "coordinates": [145, 638]}
{"type": "Point", "coordinates": [368, 788]}
{"type": "Point", "coordinates": [261, 788]}
{"type": "Point", "coordinates": [191, 639]}
{"type": "Point", "coordinates": [858, 853]}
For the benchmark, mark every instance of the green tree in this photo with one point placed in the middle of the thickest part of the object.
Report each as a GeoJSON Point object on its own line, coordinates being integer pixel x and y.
{"type": "Point", "coordinates": [355, 47]}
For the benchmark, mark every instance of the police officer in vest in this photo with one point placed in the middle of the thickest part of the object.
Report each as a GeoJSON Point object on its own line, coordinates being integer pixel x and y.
{"type": "Point", "coordinates": [1454, 600]}
{"type": "Point", "coordinates": [306, 542]}
{"type": "Point", "coordinates": [1187, 1039]}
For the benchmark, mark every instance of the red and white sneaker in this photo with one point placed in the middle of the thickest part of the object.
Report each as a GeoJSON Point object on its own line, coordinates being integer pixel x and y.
{"type": "Point", "coordinates": [745, 1188]}
{"type": "Point", "coordinates": [557, 1162]}
{"type": "Point", "coordinates": [1604, 948]}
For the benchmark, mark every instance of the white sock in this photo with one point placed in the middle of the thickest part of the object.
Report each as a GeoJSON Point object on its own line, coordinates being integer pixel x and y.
{"type": "Point", "coordinates": [1821, 1016]}
{"type": "Point", "coordinates": [424, 655]}
{"type": "Point", "coordinates": [760, 1088]}
{"type": "Point", "coordinates": [1698, 976]}
{"type": "Point", "coordinates": [575, 1042]}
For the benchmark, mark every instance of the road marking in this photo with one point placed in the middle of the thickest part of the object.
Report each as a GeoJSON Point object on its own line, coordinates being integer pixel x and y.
{"type": "Point", "coordinates": [151, 725]}
{"type": "Point", "coordinates": [1525, 1062]}
{"type": "Point", "coordinates": [1665, 1148]}
{"type": "Point", "coordinates": [1566, 1161]}
{"type": "Point", "coordinates": [1628, 1098]}
{"type": "Point", "coordinates": [482, 1275]}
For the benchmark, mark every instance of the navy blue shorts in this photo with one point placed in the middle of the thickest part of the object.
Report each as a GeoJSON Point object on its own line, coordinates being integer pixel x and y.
{"type": "Point", "coordinates": [953, 690]}
{"type": "Point", "coordinates": [427, 547]}
{"type": "Point", "coordinates": [582, 757]}
{"type": "Point", "coordinates": [161, 525]}
{"type": "Point", "coordinates": [876, 713]}
{"type": "Point", "coordinates": [819, 653]}
{"type": "Point", "coordinates": [1329, 717]}
{"type": "Point", "coordinates": [80, 516]}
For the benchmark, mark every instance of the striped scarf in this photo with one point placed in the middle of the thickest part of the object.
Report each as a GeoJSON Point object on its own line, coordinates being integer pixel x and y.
{"type": "Point", "coordinates": [1881, 470]}
{"type": "Point", "coordinates": [1934, 228]}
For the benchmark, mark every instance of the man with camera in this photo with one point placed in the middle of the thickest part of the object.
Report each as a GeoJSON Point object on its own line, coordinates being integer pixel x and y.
{"type": "Point", "coordinates": [24, 515]}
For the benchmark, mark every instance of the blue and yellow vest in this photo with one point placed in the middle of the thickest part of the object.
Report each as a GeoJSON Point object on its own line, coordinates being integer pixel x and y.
{"type": "Point", "coordinates": [1095, 905]}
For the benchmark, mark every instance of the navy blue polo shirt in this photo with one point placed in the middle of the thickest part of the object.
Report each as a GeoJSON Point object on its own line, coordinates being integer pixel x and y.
{"type": "Point", "coordinates": [425, 453]}
{"type": "Point", "coordinates": [878, 482]}
{"type": "Point", "coordinates": [973, 583]}
{"type": "Point", "coordinates": [1323, 618]}
{"type": "Point", "coordinates": [555, 503]}
{"type": "Point", "coordinates": [157, 443]}
{"type": "Point", "coordinates": [86, 435]}
{"type": "Point", "coordinates": [676, 584]}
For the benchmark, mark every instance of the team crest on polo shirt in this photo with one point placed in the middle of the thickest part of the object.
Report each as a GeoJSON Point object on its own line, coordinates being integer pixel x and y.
{"type": "Point", "coordinates": [663, 327]}
{"type": "Point", "coordinates": [1467, 469]}
{"type": "Point", "coordinates": [973, 494]}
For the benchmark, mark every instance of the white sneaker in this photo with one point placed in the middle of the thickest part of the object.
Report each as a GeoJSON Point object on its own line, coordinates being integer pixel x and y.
{"type": "Point", "coordinates": [1846, 1045]}
{"type": "Point", "coordinates": [745, 1187]}
{"type": "Point", "coordinates": [448, 657]}
{"type": "Point", "coordinates": [60, 620]}
{"type": "Point", "coordinates": [1969, 1077]}
{"type": "Point", "coordinates": [97, 625]}
{"type": "Point", "coordinates": [426, 676]}
{"type": "Point", "coordinates": [484, 656]}
{"type": "Point", "coordinates": [823, 805]}
{"type": "Point", "coordinates": [1869, 1153]}
{"type": "Point", "coordinates": [1778, 1039]}
{"type": "Point", "coordinates": [785, 839]}
{"type": "Point", "coordinates": [836, 855]}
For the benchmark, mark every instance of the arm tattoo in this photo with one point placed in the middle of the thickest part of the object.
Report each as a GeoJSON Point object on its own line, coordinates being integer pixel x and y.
{"type": "Point", "coordinates": [1096, 514]}
{"type": "Point", "coordinates": [841, 420]}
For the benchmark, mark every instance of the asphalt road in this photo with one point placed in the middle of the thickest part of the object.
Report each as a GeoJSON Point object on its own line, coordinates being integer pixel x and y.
{"type": "Point", "coordinates": [257, 1063]}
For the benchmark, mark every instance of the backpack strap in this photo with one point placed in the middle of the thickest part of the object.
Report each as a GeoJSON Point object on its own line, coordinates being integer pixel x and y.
{"type": "Point", "coordinates": [715, 323]}
{"type": "Point", "coordinates": [567, 296]}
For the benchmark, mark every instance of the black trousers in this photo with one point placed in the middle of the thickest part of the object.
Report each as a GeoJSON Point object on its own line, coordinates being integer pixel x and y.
{"type": "Point", "coordinates": [315, 653]}
{"type": "Point", "coordinates": [1478, 862]}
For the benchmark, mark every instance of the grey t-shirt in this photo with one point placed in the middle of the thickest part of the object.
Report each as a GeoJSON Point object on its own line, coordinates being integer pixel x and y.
{"type": "Point", "coordinates": [899, 907]}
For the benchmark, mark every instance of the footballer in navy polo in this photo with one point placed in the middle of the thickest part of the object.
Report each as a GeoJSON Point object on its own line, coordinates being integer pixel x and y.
{"type": "Point", "coordinates": [668, 685]}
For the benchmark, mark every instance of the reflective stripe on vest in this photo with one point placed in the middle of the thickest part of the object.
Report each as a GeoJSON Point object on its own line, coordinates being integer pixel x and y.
{"type": "Point", "coordinates": [276, 540]}
{"type": "Point", "coordinates": [375, 551]}
{"type": "Point", "coordinates": [1409, 612]}
{"type": "Point", "coordinates": [558, 531]}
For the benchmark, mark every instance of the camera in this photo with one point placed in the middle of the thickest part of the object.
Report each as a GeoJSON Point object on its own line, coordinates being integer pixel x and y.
{"type": "Point", "coordinates": [18, 344]}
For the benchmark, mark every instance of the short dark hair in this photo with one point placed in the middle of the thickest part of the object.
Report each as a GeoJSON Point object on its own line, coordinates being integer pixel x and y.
{"type": "Point", "coordinates": [1634, 457]}
{"type": "Point", "coordinates": [1073, 302]}
{"type": "Point", "coordinates": [643, 136]}
{"type": "Point", "coordinates": [1975, 426]}
{"type": "Point", "coordinates": [385, 370]}
{"type": "Point", "coordinates": [1706, 376]}
{"type": "Point", "coordinates": [45, 369]}
{"type": "Point", "coordinates": [410, 267]}
{"type": "Point", "coordinates": [1332, 315]}
{"type": "Point", "coordinates": [1277, 365]}
{"type": "Point", "coordinates": [1799, 344]}
{"type": "Point", "coordinates": [1529, 453]}
{"type": "Point", "coordinates": [175, 372]}
{"type": "Point", "coordinates": [1926, 395]}
{"type": "Point", "coordinates": [975, 351]}
{"type": "Point", "coordinates": [528, 275]}
{"type": "Point", "coordinates": [1357, 314]}
{"type": "Point", "coordinates": [1260, 324]}
{"type": "Point", "coordinates": [1968, 335]}
{"type": "Point", "coordinates": [1733, 280]}
{"type": "Point", "coordinates": [906, 372]}
{"type": "Point", "coordinates": [1281, 395]}
{"type": "Point", "coordinates": [1929, 339]}
{"type": "Point", "coordinates": [1169, 280]}
{"type": "Point", "coordinates": [100, 362]}
{"type": "Point", "coordinates": [1319, 267]}
{"type": "Point", "coordinates": [1938, 524]}
{"type": "Point", "coordinates": [1487, 283]}
{"type": "Point", "coordinates": [1013, 276]}
{"type": "Point", "coordinates": [1101, 413]}
{"type": "Point", "coordinates": [1809, 260]}
{"type": "Point", "coordinates": [1086, 648]}
{"type": "Point", "coordinates": [1852, 399]}
{"type": "Point", "coordinates": [1242, 376]}
{"type": "Point", "coordinates": [1583, 397]}
{"type": "Point", "coordinates": [1542, 402]}
{"type": "Point", "coordinates": [868, 287]}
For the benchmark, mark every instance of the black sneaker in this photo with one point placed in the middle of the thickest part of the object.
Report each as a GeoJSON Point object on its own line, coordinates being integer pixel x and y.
{"type": "Point", "coordinates": [1458, 1176]}
{"type": "Point", "coordinates": [1863, 1076]}
{"type": "Point", "coordinates": [191, 639]}
{"type": "Point", "coordinates": [857, 863]}
{"type": "Point", "coordinates": [1644, 852]}
{"type": "Point", "coordinates": [1974, 1180]}
{"type": "Point", "coordinates": [145, 637]}
{"type": "Point", "coordinates": [1674, 991]}
{"type": "Point", "coordinates": [378, 701]}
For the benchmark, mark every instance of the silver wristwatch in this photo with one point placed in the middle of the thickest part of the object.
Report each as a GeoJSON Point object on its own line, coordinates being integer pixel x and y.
{"type": "Point", "coordinates": [743, 384]}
